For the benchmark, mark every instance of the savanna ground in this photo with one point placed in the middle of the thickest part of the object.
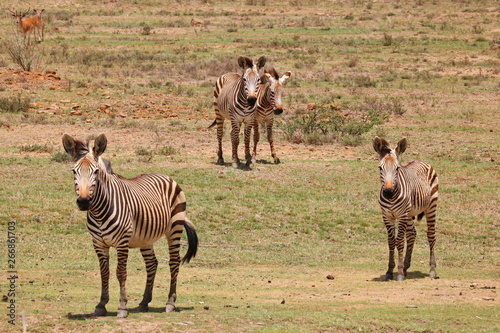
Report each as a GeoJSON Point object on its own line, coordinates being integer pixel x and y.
{"type": "Point", "coordinates": [139, 72]}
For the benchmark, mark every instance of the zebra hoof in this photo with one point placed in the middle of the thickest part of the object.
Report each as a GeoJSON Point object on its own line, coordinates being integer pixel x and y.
{"type": "Point", "coordinates": [122, 313]}
{"type": "Point", "coordinates": [277, 161]}
{"type": "Point", "coordinates": [143, 308]}
{"type": "Point", "coordinates": [100, 312]}
{"type": "Point", "coordinates": [235, 165]}
{"type": "Point", "coordinates": [170, 308]}
{"type": "Point", "coordinates": [388, 277]}
{"type": "Point", "coordinates": [401, 278]}
{"type": "Point", "coordinates": [433, 275]}
{"type": "Point", "coordinates": [220, 161]}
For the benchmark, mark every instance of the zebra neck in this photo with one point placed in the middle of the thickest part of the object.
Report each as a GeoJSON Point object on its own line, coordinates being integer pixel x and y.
{"type": "Point", "coordinates": [242, 95]}
{"type": "Point", "coordinates": [101, 202]}
{"type": "Point", "coordinates": [266, 97]}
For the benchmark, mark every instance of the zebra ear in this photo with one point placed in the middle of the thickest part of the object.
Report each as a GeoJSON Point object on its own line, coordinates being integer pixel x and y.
{"type": "Point", "coordinates": [285, 77]}
{"type": "Point", "coordinates": [69, 145]}
{"type": "Point", "coordinates": [261, 62]}
{"type": "Point", "coordinates": [100, 144]}
{"type": "Point", "coordinates": [381, 146]}
{"type": "Point", "coordinates": [245, 62]}
{"type": "Point", "coordinates": [401, 146]}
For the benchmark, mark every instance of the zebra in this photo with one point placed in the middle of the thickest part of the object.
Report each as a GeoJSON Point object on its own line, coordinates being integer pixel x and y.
{"type": "Point", "coordinates": [235, 99]}
{"type": "Point", "coordinates": [408, 190]}
{"type": "Point", "coordinates": [129, 213]}
{"type": "Point", "coordinates": [268, 105]}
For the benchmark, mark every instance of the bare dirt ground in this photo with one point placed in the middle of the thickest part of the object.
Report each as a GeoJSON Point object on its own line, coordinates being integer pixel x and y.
{"type": "Point", "coordinates": [201, 141]}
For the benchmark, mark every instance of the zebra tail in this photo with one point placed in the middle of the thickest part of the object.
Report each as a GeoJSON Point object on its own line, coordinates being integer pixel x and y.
{"type": "Point", "coordinates": [213, 124]}
{"type": "Point", "coordinates": [192, 241]}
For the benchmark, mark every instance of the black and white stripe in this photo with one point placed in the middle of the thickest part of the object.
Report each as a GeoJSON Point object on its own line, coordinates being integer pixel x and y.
{"type": "Point", "coordinates": [408, 190]}
{"type": "Point", "coordinates": [269, 104]}
{"type": "Point", "coordinates": [235, 99]}
{"type": "Point", "coordinates": [129, 213]}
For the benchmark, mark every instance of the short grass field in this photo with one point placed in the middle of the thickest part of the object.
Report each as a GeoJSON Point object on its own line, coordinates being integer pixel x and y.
{"type": "Point", "coordinates": [294, 247]}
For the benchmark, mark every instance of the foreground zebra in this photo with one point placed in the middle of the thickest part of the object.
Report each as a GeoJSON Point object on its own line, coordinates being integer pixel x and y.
{"type": "Point", "coordinates": [268, 105]}
{"type": "Point", "coordinates": [408, 190]}
{"type": "Point", "coordinates": [235, 99]}
{"type": "Point", "coordinates": [129, 213]}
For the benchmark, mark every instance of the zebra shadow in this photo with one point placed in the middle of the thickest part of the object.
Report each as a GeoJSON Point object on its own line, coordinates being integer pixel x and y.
{"type": "Point", "coordinates": [242, 166]}
{"type": "Point", "coordinates": [264, 162]}
{"type": "Point", "coordinates": [409, 276]}
{"type": "Point", "coordinates": [89, 316]}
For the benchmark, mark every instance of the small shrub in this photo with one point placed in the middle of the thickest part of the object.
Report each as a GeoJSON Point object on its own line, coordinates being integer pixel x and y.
{"type": "Point", "coordinates": [167, 150]}
{"type": "Point", "coordinates": [353, 61]}
{"type": "Point", "coordinates": [25, 55]}
{"type": "Point", "coordinates": [17, 103]}
{"type": "Point", "coordinates": [387, 39]}
{"type": "Point", "coordinates": [61, 157]}
{"type": "Point", "coordinates": [344, 124]}
{"type": "Point", "coordinates": [144, 154]}
{"type": "Point", "coordinates": [146, 30]}
{"type": "Point", "coordinates": [477, 29]}
{"type": "Point", "coordinates": [360, 81]}
{"type": "Point", "coordinates": [35, 148]}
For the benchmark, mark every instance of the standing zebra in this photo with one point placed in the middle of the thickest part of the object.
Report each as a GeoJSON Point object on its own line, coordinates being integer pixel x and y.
{"type": "Point", "coordinates": [235, 99]}
{"type": "Point", "coordinates": [408, 190]}
{"type": "Point", "coordinates": [129, 213]}
{"type": "Point", "coordinates": [268, 105]}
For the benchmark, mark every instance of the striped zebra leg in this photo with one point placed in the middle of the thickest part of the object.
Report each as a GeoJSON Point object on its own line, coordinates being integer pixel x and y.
{"type": "Point", "coordinates": [121, 274]}
{"type": "Point", "coordinates": [430, 217]}
{"type": "Point", "coordinates": [248, 134]}
{"type": "Point", "coordinates": [103, 256]}
{"type": "Point", "coordinates": [148, 254]}
{"type": "Point", "coordinates": [235, 141]}
{"type": "Point", "coordinates": [411, 234]}
{"type": "Point", "coordinates": [400, 245]}
{"type": "Point", "coordinates": [271, 140]}
{"type": "Point", "coordinates": [220, 132]}
{"type": "Point", "coordinates": [174, 245]}
{"type": "Point", "coordinates": [391, 241]}
{"type": "Point", "coordinates": [256, 138]}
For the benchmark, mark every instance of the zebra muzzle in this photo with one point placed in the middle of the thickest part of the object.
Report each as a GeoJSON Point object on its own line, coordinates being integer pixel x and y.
{"type": "Point", "coordinates": [83, 203]}
{"type": "Point", "coordinates": [388, 192]}
{"type": "Point", "coordinates": [251, 100]}
{"type": "Point", "coordinates": [278, 111]}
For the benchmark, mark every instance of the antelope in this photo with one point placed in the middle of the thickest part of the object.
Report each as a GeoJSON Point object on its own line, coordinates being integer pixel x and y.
{"type": "Point", "coordinates": [26, 24]}
{"type": "Point", "coordinates": [40, 24]}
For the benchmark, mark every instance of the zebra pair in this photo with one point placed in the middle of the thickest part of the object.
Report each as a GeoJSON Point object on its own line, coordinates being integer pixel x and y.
{"type": "Point", "coordinates": [135, 213]}
{"type": "Point", "coordinates": [248, 99]}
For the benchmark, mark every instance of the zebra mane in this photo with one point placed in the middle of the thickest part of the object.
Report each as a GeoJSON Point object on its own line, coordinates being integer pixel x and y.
{"type": "Point", "coordinates": [107, 165]}
{"type": "Point", "coordinates": [386, 148]}
{"type": "Point", "coordinates": [81, 149]}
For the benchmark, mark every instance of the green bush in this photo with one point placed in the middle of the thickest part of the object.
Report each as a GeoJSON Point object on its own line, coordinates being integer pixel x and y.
{"type": "Point", "coordinates": [345, 124]}
{"type": "Point", "coordinates": [61, 157]}
{"type": "Point", "coordinates": [36, 148]}
{"type": "Point", "coordinates": [17, 103]}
